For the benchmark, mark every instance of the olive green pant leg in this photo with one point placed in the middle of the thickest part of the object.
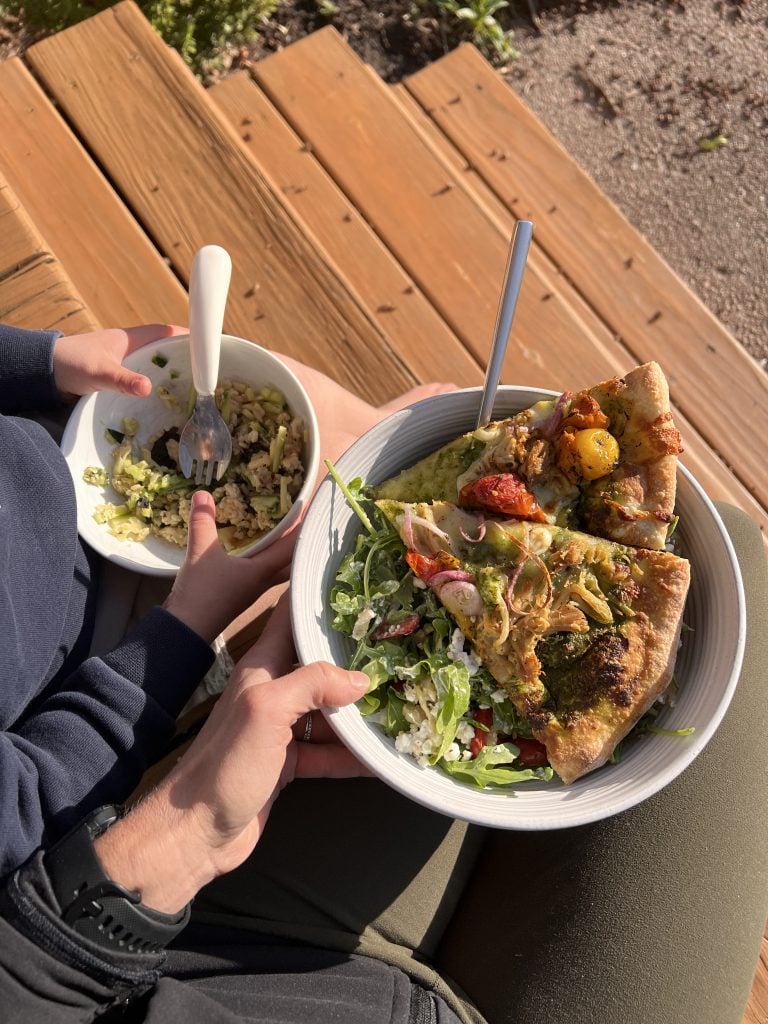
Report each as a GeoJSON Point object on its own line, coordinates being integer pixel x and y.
{"type": "Point", "coordinates": [352, 866]}
{"type": "Point", "coordinates": [655, 915]}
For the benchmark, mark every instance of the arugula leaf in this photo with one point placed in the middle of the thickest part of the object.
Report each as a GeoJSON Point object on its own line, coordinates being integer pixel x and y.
{"type": "Point", "coordinates": [487, 769]}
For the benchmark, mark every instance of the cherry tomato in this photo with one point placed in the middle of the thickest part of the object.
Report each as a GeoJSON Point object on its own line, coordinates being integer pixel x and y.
{"type": "Point", "coordinates": [422, 566]}
{"type": "Point", "coordinates": [532, 753]}
{"type": "Point", "coordinates": [503, 493]}
{"type": "Point", "coordinates": [484, 716]}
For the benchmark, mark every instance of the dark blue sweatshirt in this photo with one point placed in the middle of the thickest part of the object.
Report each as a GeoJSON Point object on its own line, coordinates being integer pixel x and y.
{"type": "Point", "coordinates": [77, 732]}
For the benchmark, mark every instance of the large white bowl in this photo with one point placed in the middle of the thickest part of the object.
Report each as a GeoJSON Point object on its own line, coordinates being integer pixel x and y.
{"type": "Point", "coordinates": [84, 442]}
{"type": "Point", "coordinates": [707, 667]}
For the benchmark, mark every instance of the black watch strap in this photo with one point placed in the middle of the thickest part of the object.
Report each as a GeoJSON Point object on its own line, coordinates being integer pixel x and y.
{"type": "Point", "coordinates": [98, 908]}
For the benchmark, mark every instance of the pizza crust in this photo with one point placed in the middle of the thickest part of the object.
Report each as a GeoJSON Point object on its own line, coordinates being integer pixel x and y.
{"type": "Point", "coordinates": [635, 504]}
{"type": "Point", "coordinates": [582, 743]}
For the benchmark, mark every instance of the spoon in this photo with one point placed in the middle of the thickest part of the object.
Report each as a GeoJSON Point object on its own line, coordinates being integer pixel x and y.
{"type": "Point", "coordinates": [513, 278]}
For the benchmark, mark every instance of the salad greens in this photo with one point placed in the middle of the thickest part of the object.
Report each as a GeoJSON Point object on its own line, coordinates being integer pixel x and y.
{"type": "Point", "coordinates": [428, 690]}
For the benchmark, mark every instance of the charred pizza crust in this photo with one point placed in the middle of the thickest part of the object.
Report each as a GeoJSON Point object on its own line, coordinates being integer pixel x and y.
{"type": "Point", "coordinates": [582, 636]}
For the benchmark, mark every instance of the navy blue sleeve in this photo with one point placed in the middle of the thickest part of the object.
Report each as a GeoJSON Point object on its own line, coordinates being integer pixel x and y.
{"type": "Point", "coordinates": [26, 370]}
{"type": "Point", "coordinates": [90, 741]}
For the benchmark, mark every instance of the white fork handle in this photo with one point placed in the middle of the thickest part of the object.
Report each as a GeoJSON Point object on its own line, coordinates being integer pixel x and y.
{"type": "Point", "coordinates": [208, 287]}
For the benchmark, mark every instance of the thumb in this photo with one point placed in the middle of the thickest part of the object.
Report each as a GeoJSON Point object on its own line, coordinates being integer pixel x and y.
{"type": "Point", "coordinates": [202, 525]}
{"type": "Point", "coordinates": [129, 383]}
{"type": "Point", "coordinates": [316, 686]}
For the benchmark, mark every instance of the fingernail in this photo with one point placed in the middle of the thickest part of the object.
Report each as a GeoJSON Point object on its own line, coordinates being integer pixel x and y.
{"type": "Point", "coordinates": [141, 386]}
{"type": "Point", "coordinates": [360, 681]}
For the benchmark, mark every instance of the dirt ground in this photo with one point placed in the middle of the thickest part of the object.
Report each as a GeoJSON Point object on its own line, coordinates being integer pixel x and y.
{"type": "Point", "coordinates": [633, 89]}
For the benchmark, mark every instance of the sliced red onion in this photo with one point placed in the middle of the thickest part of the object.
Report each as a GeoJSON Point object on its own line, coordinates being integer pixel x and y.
{"type": "Point", "coordinates": [449, 576]}
{"type": "Point", "coordinates": [480, 531]}
{"type": "Point", "coordinates": [550, 426]}
{"type": "Point", "coordinates": [408, 527]}
{"type": "Point", "coordinates": [509, 596]}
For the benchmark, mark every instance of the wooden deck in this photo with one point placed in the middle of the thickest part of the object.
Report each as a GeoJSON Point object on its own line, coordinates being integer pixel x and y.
{"type": "Point", "coordinates": [368, 226]}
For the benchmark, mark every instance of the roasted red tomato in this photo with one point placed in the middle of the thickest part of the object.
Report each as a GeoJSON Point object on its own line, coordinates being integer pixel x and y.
{"type": "Point", "coordinates": [532, 753]}
{"type": "Point", "coordinates": [423, 566]}
{"type": "Point", "coordinates": [504, 494]}
{"type": "Point", "coordinates": [484, 716]}
{"type": "Point", "coordinates": [389, 630]}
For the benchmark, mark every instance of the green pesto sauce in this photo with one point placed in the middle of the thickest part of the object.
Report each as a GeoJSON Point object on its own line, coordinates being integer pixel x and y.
{"type": "Point", "coordinates": [434, 478]}
{"type": "Point", "coordinates": [571, 666]}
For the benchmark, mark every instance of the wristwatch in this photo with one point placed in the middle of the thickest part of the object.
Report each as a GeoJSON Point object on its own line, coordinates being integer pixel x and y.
{"type": "Point", "coordinates": [98, 908]}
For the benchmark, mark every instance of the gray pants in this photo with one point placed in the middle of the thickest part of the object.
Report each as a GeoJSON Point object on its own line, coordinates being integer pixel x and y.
{"type": "Point", "coordinates": [651, 917]}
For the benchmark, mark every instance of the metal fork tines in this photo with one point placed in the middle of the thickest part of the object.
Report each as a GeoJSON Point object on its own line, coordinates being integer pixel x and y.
{"type": "Point", "coordinates": [205, 446]}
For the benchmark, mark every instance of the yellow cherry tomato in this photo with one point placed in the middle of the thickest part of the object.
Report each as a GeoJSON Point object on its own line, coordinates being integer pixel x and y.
{"type": "Point", "coordinates": [596, 452]}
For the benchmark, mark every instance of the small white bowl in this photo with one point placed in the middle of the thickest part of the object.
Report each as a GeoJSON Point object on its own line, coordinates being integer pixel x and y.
{"type": "Point", "coordinates": [707, 668]}
{"type": "Point", "coordinates": [84, 442]}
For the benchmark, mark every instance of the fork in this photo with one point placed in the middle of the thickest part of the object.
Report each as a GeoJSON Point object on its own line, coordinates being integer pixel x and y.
{"type": "Point", "coordinates": [205, 446]}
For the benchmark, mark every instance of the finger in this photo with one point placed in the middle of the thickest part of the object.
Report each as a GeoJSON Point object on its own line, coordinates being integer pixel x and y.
{"type": "Point", "coordinates": [417, 395]}
{"type": "Point", "coordinates": [272, 655]}
{"type": "Point", "coordinates": [321, 731]}
{"type": "Point", "coordinates": [328, 761]}
{"type": "Point", "coordinates": [126, 382]}
{"type": "Point", "coordinates": [145, 334]}
{"type": "Point", "coordinates": [202, 525]}
{"type": "Point", "coordinates": [273, 559]}
{"type": "Point", "coordinates": [316, 686]}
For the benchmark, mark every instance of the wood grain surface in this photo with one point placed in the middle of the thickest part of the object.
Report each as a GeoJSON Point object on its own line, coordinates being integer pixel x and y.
{"type": "Point", "coordinates": [186, 176]}
{"type": "Point", "coordinates": [109, 258]}
{"type": "Point", "coordinates": [414, 328]}
{"type": "Point", "coordinates": [419, 207]}
{"type": "Point", "coordinates": [35, 291]}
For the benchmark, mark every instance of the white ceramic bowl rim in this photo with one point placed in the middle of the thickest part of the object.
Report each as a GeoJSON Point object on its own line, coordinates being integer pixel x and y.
{"type": "Point", "coordinates": [655, 761]}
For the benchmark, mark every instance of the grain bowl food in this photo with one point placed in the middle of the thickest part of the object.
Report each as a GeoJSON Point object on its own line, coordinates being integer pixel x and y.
{"type": "Point", "coordinates": [257, 490]}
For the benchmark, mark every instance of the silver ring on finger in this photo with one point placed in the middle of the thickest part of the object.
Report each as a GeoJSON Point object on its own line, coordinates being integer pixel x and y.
{"type": "Point", "coordinates": [307, 729]}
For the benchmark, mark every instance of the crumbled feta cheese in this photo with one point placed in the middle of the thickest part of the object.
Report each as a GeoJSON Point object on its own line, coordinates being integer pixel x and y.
{"type": "Point", "coordinates": [466, 755]}
{"type": "Point", "coordinates": [361, 624]}
{"type": "Point", "coordinates": [404, 742]}
{"type": "Point", "coordinates": [465, 732]}
{"type": "Point", "coordinates": [456, 652]}
{"type": "Point", "coordinates": [453, 753]}
{"type": "Point", "coordinates": [498, 696]}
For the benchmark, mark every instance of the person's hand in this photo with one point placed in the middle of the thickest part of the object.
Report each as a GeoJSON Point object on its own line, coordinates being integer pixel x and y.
{"type": "Point", "coordinates": [342, 416]}
{"type": "Point", "coordinates": [207, 815]}
{"type": "Point", "coordinates": [83, 363]}
{"type": "Point", "coordinates": [212, 587]}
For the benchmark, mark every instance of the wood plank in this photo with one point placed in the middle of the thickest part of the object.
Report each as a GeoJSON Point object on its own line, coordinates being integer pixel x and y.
{"type": "Point", "coordinates": [114, 266]}
{"type": "Point", "coordinates": [711, 472]}
{"type": "Point", "coordinates": [420, 208]}
{"type": "Point", "coordinates": [126, 93]}
{"type": "Point", "coordinates": [34, 290]}
{"type": "Point", "coordinates": [757, 1007]}
{"type": "Point", "coordinates": [614, 267]}
{"type": "Point", "coordinates": [414, 328]}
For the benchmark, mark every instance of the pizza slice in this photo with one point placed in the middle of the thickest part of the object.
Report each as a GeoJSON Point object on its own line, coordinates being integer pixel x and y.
{"type": "Point", "coordinates": [602, 460]}
{"type": "Point", "coordinates": [580, 632]}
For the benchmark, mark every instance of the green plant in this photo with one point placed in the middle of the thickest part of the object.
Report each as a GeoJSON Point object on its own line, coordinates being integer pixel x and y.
{"type": "Point", "coordinates": [478, 19]}
{"type": "Point", "coordinates": [198, 29]}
